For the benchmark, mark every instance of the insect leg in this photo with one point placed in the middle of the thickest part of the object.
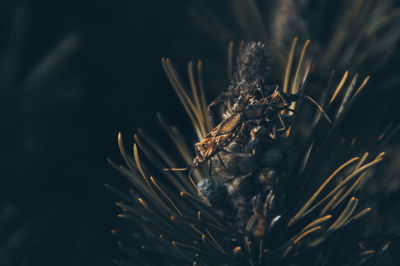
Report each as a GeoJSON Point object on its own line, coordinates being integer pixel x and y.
{"type": "Point", "coordinates": [210, 169]}
{"type": "Point", "coordinates": [219, 99]}
{"type": "Point", "coordinates": [284, 127]}
{"type": "Point", "coordinates": [220, 160]}
{"type": "Point", "coordinates": [273, 133]}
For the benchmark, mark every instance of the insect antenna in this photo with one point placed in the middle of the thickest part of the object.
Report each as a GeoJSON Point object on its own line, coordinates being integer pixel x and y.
{"type": "Point", "coordinates": [319, 108]}
{"type": "Point", "coordinates": [188, 169]}
{"type": "Point", "coordinates": [177, 169]}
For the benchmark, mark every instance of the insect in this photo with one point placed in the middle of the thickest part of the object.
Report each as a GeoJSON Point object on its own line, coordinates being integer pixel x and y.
{"type": "Point", "coordinates": [263, 111]}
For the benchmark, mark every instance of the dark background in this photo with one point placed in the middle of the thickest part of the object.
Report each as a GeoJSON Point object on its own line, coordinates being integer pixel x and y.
{"type": "Point", "coordinates": [61, 111]}
{"type": "Point", "coordinates": [54, 208]}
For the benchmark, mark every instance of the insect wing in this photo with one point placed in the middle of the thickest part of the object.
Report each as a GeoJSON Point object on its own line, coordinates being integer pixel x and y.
{"type": "Point", "coordinates": [229, 125]}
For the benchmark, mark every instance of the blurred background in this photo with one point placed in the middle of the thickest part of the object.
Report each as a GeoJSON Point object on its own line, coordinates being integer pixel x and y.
{"type": "Point", "coordinates": [72, 75]}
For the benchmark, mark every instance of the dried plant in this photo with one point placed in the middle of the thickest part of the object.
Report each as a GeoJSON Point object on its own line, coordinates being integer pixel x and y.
{"type": "Point", "coordinates": [272, 184]}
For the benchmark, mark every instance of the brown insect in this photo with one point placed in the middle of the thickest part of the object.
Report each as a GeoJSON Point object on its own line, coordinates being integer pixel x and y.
{"type": "Point", "coordinates": [262, 111]}
{"type": "Point", "coordinates": [216, 140]}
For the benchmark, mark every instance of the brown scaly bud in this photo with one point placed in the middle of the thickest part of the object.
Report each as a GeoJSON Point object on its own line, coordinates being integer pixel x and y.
{"type": "Point", "coordinates": [253, 63]}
